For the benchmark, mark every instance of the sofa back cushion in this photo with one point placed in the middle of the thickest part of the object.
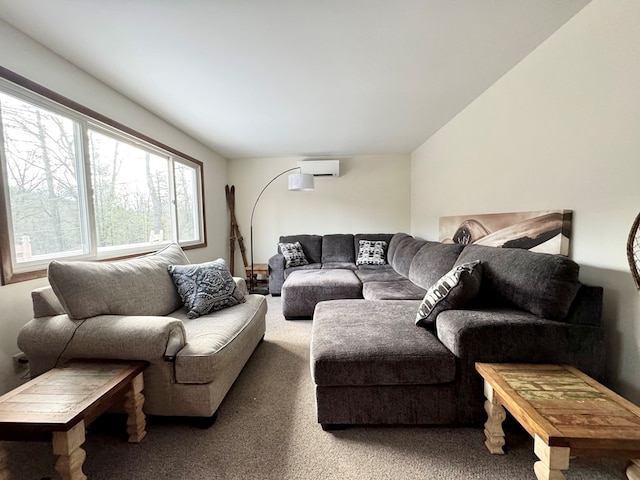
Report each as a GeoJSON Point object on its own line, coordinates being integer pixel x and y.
{"type": "Point", "coordinates": [402, 249]}
{"type": "Point", "coordinates": [136, 286]}
{"type": "Point", "coordinates": [432, 261]}
{"type": "Point", "coordinates": [338, 248]}
{"type": "Point", "coordinates": [311, 246]}
{"type": "Point", "coordinates": [540, 283]}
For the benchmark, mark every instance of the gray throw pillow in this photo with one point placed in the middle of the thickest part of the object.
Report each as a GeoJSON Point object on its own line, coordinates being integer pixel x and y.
{"type": "Point", "coordinates": [372, 252]}
{"type": "Point", "coordinates": [206, 287]}
{"type": "Point", "coordinates": [455, 289]}
{"type": "Point", "coordinates": [293, 254]}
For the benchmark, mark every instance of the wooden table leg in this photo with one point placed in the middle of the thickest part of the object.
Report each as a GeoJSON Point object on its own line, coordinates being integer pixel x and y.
{"type": "Point", "coordinates": [5, 474]}
{"type": "Point", "coordinates": [70, 456]}
{"type": "Point", "coordinates": [133, 402]}
{"type": "Point", "coordinates": [495, 416]}
{"type": "Point", "coordinates": [552, 460]}
{"type": "Point", "coordinates": [633, 470]}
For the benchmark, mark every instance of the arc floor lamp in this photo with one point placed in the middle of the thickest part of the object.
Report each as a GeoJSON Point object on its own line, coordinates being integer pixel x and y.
{"type": "Point", "coordinates": [298, 182]}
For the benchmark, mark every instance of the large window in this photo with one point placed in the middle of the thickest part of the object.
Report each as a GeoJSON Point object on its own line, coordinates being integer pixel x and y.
{"type": "Point", "coordinates": [77, 187]}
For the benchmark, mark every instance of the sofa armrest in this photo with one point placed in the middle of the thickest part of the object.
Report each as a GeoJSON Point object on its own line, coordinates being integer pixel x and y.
{"type": "Point", "coordinates": [45, 340]}
{"type": "Point", "coordinates": [509, 335]}
{"type": "Point", "coordinates": [276, 273]}
{"type": "Point", "coordinates": [242, 284]}
{"type": "Point", "coordinates": [512, 336]}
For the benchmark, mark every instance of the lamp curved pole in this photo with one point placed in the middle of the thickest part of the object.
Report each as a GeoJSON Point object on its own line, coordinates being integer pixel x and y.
{"type": "Point", "coordinates": [253, 211]}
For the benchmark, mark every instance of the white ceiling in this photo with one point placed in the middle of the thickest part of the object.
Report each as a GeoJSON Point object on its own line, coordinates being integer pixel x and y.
{"type": "Point", "coordinates": [266, 78]}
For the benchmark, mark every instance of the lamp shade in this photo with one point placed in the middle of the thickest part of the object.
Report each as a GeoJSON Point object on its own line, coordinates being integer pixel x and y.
{"type": "Point", "coordinates": [301, 182]}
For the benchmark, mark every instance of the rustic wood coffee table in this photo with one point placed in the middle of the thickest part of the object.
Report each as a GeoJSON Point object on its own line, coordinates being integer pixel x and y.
{"type": "Point", "coordinates": [59, 404]}
{"type": "Point", "coordinates": [564, 410]}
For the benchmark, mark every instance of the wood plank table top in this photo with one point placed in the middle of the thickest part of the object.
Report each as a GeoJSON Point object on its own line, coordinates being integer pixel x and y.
{"type": "Point", "coordinates": [562, 408]}
{"type": "Point", "coordinates": [59, 404]}
{"type": "Point", "coordinates": [57, 399]}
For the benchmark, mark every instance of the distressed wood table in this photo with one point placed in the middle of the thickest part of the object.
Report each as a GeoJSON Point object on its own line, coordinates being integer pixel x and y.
{"type": "Point", "coordinates": [255, 283]}
{"type": "Point", "coordinates": [59, 404]}
{"type": "Point", "coordinates": [564, 410]}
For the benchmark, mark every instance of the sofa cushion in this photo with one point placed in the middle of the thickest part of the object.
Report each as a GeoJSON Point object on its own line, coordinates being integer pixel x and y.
{"type": "Point", "coordinates": [378, 273]}
{"type": "Point", "coordinates": [372, 252]}
{"type": "Point", "coordinates": [540, 283]}
{"type": "Point", "coordinates": [305, 288]}
{"type": "Point", "coordinates": [455, 289]}
{"type": "Point", "coordinates": [338, 248]}
{"type": "Point", "coordinates": [361, 342]}
{"type": "Point", "coordinates": [136, 286]}
{"type": "Point", "coordinates": [293, 254]}
{"type": "Point", "coordinates": [212, 354]}
{"type": "Point", "coordinates": [341, 265]}
{"type": "Point", "coordinates": [403, 289]}
{"type": "Point", "coordinates": [206, 287]}
{"type": "Point", "coordinates": [402, 249]}
{"type": "Point", "coordinates": [311, 266]}
{"type": "Point", "coordinates": [311, 246]}
{"type": "Point", "coordinates": [432, 261]}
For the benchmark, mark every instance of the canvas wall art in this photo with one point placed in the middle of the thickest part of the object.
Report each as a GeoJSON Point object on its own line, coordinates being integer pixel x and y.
{"type": "Point", "coordinates": [547, 231]}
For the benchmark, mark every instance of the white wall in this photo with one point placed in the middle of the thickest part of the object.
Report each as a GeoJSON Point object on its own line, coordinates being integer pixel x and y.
{"type": "Point", "coordinates": [559, 131]}
{"type": "Point", "coordinates": [370, 195]}
{"type": "Point", "coordinates": [31, 60]}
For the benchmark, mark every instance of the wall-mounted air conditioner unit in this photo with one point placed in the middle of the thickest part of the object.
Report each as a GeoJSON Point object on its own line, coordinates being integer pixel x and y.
{"type": "Point", "coordinates": [320, 168]}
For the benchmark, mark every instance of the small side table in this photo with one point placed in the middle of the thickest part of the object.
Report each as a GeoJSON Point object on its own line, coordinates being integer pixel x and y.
{"type": "Point", "coordinates": [260, 281]}
{"type": "Point", "coordinates": [59, 404]}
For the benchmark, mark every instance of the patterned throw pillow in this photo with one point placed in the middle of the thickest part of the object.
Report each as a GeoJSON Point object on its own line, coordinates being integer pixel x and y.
{"type": "Point", "coordinates": [455, 289]}
{"type": "Point", "coordinates": [206, 288]}
{"type": "Point", "coordinates": [293, 254]}
{"type": "Point", "coordinates": [372, 252]}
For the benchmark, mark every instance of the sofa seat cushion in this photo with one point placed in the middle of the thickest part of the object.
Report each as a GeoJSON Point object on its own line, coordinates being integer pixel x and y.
{"type": "Point", "coordinates": [361, 342]}
{"type": "Point", "coordinates": [403, 289]}
{"type": "Point", "coordinates": [377, 273]}
{"type": "Point", "coordinates": [213, 340]}
{"type": "Point", "coordinates": [303, 289]}
{"type": "Point", "coordinates": [343, 265]}
{"type": "Point", "coordinates": [540, 283]}
{"type": "Point", "coordinates": [311, 266]}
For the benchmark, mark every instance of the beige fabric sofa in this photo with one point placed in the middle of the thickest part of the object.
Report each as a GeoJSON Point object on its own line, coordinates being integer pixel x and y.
{"type": "Point", "coordinates": [130, 310]}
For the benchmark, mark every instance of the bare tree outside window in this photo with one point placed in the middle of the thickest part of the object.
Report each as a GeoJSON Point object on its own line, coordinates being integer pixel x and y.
{"type": "Point", "coordinates": [77, 185]}
{"type": "Point", "coordinates": [41, 162]}
{"type": "Point", "coordinates": [131, 192]}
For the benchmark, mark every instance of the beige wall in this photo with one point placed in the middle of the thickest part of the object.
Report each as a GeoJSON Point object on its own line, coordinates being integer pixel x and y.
{"type": "Point", "coordinates": [560, 130]}
{"type": "Point", "coordinates": [370, 195]}
{"type": "Point", "coordinates": [31, 60]}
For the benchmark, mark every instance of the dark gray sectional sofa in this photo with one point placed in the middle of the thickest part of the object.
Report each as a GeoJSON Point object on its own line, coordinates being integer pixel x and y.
{"type": "Point", "coordinates": [371, 364]}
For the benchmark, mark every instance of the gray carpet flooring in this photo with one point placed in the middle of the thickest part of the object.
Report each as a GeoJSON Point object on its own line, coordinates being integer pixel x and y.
{"type": "Point", "coordinates": [266, 429]}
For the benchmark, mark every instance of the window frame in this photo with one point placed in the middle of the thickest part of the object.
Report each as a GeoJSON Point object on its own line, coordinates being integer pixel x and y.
{"type": "Point", "coordinates": [90, 119]}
